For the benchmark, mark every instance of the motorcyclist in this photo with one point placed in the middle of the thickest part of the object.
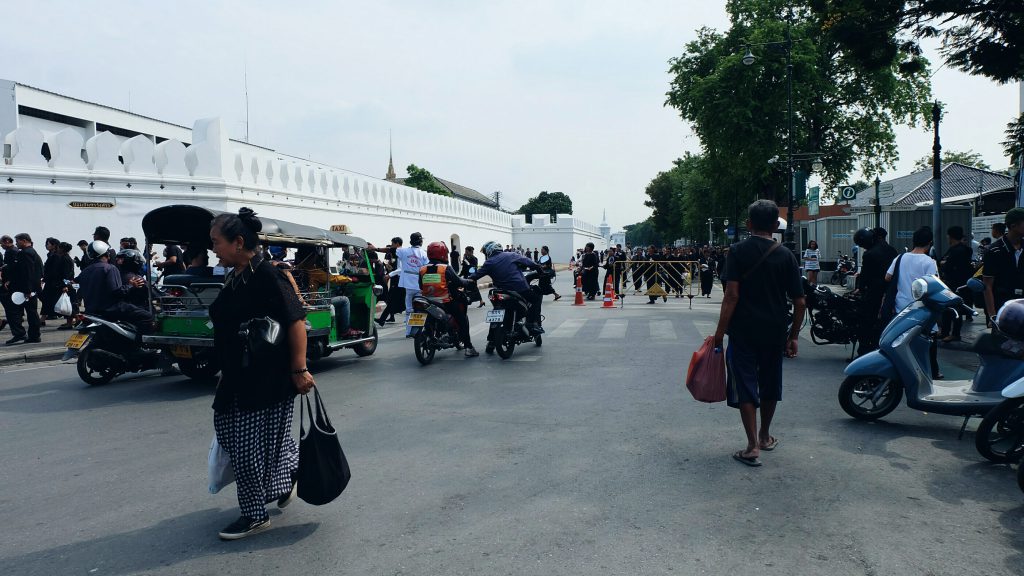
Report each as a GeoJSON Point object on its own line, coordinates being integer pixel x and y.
{"type": "Point", "coordinates": [131, 263]}
{"type": "Point", "coordinates": [105, 291]}
{"type": "Point", "coordinates": [440, 283]}
{"type": "Point", "coordinates": [504, 270]}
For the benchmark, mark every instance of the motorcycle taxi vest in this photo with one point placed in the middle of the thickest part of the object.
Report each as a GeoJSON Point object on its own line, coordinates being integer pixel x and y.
{"type": "Point", "coordinates": [434, 284]}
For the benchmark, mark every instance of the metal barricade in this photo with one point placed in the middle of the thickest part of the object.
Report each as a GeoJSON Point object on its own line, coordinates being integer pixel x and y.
{"type": "Point", "coordinates": [656, 279]}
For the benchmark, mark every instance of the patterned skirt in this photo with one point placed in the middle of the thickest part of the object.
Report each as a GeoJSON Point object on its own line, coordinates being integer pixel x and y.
{"type": "Point", "coordinates": [263, 453]}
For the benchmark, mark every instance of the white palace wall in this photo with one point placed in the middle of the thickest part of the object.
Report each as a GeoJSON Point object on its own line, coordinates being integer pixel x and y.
{"type": "Point", "coordinates": [112, 181]}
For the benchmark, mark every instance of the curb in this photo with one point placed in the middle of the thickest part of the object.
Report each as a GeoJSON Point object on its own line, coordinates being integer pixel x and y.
{"type": "Point", "coordinates": [37, 355]}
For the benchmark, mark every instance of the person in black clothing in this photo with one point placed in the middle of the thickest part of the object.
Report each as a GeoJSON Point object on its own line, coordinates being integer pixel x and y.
{"type": "Point", "coordinates": [455, 259]}
{"type": "Point", "coordinates": [67, 276]}
{"type": "Point", "coordinates": [955, 269]}
{"type": "Point", "coordinates": [53, 280]}
{"type": "Point", "coordinates": [652, 272]}
{"type": "Point", "coordinates": [6, 273]}
{"type": "Point", "coordinates": [760, 276]}
{"type": "Point", "coordinates": [590, 264]}
{"type": "Point", "coordinates": [469, 266]}
{"type": "Point", "coordinates": [544, 283]}
{"type": "Point", "coordinates": [255, 399]}
{"type": "Point", "coordinates": [871, 285]}
{"type": "Point", "coordinates": [174, 261]}
{"type": "Point", "coordinates": [440, 283]}
{"type": "Point", "coordinates": [394, 302]}
{"type": "Point", "coordinates": [27, 279]}
{"type": "Point", "coordinates": [1004, 267]}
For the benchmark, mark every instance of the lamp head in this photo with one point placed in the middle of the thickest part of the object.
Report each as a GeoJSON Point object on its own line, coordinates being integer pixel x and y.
{"type": "Point", "coordinates": [817, 165]}
{"type": "Point", "coordinates": [748, 57]}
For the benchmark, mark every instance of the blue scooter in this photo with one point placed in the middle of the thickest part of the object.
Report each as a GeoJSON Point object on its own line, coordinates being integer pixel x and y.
{"type": "Point", "coordinates": [875, 382]}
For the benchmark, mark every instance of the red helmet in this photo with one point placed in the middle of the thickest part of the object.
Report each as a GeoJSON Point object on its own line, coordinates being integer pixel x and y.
{"type": "Point", "coordinates": [437, 251]}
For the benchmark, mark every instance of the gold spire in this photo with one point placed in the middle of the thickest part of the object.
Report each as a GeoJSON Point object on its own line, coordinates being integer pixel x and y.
{"type": "Point", "coordinates": [391, 176]}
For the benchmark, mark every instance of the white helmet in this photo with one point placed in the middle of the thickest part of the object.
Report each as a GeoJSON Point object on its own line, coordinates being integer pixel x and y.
{"type": "Point", "coordinates": [97, 248]}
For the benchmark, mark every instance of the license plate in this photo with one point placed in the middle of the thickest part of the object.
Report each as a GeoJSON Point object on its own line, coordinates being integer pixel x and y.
{"type": "Point", "coordinates": [181, 351]}
{"type": "Point", "coordinates": [418, 319]}
{"type": "Point", "coordinates": [76, 341]}
{"type": "Point", "coordinates": [494, 316]}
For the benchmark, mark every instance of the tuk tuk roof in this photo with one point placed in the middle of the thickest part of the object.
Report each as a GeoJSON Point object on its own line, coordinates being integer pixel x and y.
{"type": "Point", "coordinates": [188, 224]}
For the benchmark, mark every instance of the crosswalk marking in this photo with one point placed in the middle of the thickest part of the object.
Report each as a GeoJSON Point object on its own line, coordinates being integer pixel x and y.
{"type": "Point", "coordinates": [706, 328]}
{"type": "Point", "coordinates": [662, 330]}
{"type": "Point", "coordinates": [614, 329]}
{"type": "Point", "coordinates": [524, 359]}
{"type": "Point", "coordinates": [569, 328]}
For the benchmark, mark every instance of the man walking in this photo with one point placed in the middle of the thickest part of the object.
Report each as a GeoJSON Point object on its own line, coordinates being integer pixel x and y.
{"type": "Point", "coordinates": [410, 259]}
{"type": "Point", "coordinates": [27, 279]}
{"type": "Point", "coordinates": [759, 277]}
{"type": "Point", "coordinates": [6, 274]}
{"type": "Point", "coordinates": [878, 255]}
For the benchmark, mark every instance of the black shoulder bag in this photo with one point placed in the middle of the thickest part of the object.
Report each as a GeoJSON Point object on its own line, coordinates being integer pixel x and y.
{"type": "Point", "coordinates": [323, 470]}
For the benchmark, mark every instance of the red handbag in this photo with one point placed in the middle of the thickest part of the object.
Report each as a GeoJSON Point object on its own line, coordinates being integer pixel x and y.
{"type": "Point", "coordinates": [705, 378]}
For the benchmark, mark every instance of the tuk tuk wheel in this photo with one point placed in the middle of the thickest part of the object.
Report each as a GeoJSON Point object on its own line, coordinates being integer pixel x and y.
{"type": "Point", "coordinates": [202, 367]}
{"type": "Point", "coordinates": [369, 347]}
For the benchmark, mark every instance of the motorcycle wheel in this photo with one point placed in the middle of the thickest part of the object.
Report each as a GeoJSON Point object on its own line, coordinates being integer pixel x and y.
{"type": "Point", "coordinates": [204, 367]}
{"type": "Point", "coordinates": [1000, 436]}
{"type": "Point", "coordinates": [367, 348]}
{"type": "Point", "coordinates": [421, 345]}
{"type": "Point", "coordinates": [539, 340]}
{"type": "Point", "coordinates": [1020, 477]}
{"type": "Point", "coordinates": [856, 396]}
{"type": "Point", "coordinates": [89, 375]}
{"type": "Point", "coordinates": [505, 345]}
{"type": "Point", "coordinates": [842, 281]}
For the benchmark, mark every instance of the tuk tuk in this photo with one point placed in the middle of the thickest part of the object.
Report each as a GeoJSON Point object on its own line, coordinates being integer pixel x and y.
{"type": "Point", "coordinates": [181, 302]}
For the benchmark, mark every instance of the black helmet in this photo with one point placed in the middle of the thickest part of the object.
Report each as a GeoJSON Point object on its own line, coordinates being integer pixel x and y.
{"type": "Point", "coordinates": [132, 260]}
{"type": "Point", "coordinates": [97, 248]}
{"type": "Point", "coordinates": [1010, 319]}
{"type": "Point", "coordinates": [864, 238]}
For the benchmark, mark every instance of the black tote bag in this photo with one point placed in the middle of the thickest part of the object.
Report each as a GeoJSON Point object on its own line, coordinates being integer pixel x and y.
{"type": "Point", "coordinates": [323, 469]}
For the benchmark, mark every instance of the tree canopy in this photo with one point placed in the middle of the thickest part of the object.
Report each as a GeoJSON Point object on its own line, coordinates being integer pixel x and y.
{"type": "Point", "coordinates": [641, 234]}
{"type": "Point", "coordinates": [422, 179]}
{"type": "Point", "coordinates": [968, 158]}
{"type": "Point", "coordinates": [680, 199]}
{"type": "Point", "coordinates": [842, 113]}
{"type": "Point", "coordinates": [553, 203]}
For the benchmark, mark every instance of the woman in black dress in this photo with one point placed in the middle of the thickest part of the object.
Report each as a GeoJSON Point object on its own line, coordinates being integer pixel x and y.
{"type": "Point", "coordinates": [589, 266]}
{"type": "Point", "coordinates": [53, 279]}
{"type": "Point", "coordinates": [255, 398]}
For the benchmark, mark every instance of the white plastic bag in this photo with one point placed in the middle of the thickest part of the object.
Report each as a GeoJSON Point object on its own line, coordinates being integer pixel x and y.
{"type": "Point", "coordinates": [221, 472]}
{"type": "Point", "coordinates": [63, 306]}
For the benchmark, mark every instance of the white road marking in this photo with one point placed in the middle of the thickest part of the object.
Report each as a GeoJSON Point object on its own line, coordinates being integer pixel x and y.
{"type": "Point", "coordinates": [568, 329]}
{"type": "Point", "coordinates": [662, 330]}
{"type": "Point", "coordinates": [614, 329]}
{"type": "Point", "coordinates": [706, 328]}
{"type": "Point", "coordinates": [523, 359]}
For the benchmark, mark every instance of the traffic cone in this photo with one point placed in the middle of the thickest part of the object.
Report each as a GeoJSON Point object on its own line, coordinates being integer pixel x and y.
{"type": "Point", "coordinates": [579, 291]}
{"type": "Point", "coordinates": [609, 294]}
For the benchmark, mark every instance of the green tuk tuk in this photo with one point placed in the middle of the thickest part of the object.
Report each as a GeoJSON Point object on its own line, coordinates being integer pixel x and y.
{"type": "Point", "coordinates": [181, 302]}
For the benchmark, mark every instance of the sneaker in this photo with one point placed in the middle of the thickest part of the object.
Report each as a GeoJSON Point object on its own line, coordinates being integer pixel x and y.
{"type": "Point", "coordinates": [471, 353]}
{"type": "Point", "coordinates": [15, 340]}
{"type": "Point", "coordinates": [287, 499]}
{"type": "Point", "coordinates": [558, 297]}
{"type": "Point", "coordinates": [243, 527]}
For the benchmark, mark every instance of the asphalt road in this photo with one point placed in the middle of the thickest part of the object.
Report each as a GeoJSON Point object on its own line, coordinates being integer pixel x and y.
{"type": "Point", "coordinates": [586, 456]}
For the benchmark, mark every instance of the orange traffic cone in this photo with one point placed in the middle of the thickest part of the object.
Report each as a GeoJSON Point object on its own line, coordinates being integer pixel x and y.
{"type": "Point", "coordinates": [609, 294]}
{"type": "Point", "coordinates": [579, 291]}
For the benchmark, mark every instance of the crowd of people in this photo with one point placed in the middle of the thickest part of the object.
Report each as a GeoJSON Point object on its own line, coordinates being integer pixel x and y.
{"type": "Point", "coordinates": [674, 269]}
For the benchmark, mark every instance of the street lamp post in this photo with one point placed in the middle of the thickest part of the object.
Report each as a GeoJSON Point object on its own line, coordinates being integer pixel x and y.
{"type": "Point", "coordinates": [748, 59]}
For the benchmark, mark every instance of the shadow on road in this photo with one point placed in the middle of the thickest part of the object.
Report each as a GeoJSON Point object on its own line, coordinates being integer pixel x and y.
{"type": "Point", "coordinates": [167, 543]}
{"type": "Point", "coordinates": [72, 394]}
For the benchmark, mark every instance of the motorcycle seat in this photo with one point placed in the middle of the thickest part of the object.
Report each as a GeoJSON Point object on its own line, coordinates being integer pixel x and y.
{"type": "Point", "coordinates": [992, 345]}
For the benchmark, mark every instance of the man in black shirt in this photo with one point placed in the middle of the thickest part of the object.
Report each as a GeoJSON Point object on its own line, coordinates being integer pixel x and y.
{"type": "Point", "coordinates": [956, 270]}
{"type": "Point", "coordinates": [6, 273]}
{"type": "Point", "coordinates": [755, 314]}
{"type": "Point", "coordinates": [26, 279]}
{"type": "Point", "coordinates": [871, 284]}
{"type": "Point", "coordinates": [174, 261]}
{"type": "Point", "coordinates": [1004, 269]}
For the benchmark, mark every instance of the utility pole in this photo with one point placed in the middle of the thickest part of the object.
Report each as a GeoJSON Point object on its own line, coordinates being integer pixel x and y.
{"type": "Point", "coordinates": [878, 203]}
{"type": "Point", "coordinates": [937, 182]}
{"type": "Point", "coordinates": [790, 225]}
{"type": "Point", "coordinates": [497, 199]}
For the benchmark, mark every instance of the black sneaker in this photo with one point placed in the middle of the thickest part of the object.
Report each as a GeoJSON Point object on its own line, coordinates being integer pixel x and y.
{"type": "Point", "coordinates": [243, 527]}
{"type": "Point", "coordinates": [15, 340]}
{"type": "Point", "coordinates": [287, 499]}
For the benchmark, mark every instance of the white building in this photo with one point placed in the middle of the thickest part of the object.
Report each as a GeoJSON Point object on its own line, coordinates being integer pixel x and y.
{"type": "Point", "coordinates": [70, 165]}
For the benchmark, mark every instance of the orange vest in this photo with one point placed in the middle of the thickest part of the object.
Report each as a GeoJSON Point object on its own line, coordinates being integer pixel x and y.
{"type": "Point", "coordinates": [434, 284]}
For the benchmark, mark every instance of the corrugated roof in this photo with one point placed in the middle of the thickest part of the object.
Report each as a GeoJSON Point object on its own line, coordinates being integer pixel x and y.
{"type": "Point", "coordinates": [958, 180]}
{"type": "Point", "coordinates": [459, 191]}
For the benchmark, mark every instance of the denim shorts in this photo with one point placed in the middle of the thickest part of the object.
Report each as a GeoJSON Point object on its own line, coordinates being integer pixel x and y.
{"type": "Point", "coordinates": [754, 371]}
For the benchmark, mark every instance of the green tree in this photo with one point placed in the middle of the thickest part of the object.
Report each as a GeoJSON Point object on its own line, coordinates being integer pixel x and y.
{"type": "Point", "coordinates": [553, 203]}
{"type": "Point", "coordinates": [680, 199]}
{"type": "Point", "coordinates": [641, 234]}
{"type": "Point", "coordinates": [422, 179]}
{"type": "Point", "coordinates": [969, 158]}
{"type": "Point", "coordinates": [739, 112]}
{"type": "Point", "coordinates": [1014, 143]}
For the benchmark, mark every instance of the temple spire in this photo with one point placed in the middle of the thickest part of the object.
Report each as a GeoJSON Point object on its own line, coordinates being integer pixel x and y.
{"type": "Point", "coordinates": [391, 164]}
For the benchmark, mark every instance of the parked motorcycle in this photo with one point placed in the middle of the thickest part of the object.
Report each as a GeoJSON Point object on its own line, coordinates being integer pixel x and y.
{"type": "Point", "coordinates": [834, 318]}
{"type": "Point", "coordinates": [843, 268]}
{"type": "Point", "coordinates": [107, 349]}
{"type": "Point", "coordinates": [507, 319]}
{"type": "Point", "coordinates": [433, 329]}
{"type": "Point", "coordinates": [1000, 436]}
{"type": "Point", "coordinates": [876, 382]}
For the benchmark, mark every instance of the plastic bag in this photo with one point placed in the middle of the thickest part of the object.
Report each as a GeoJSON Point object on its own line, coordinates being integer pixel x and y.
{"type": "Point", "coordinates": [219, 465]}
{"type": "Point", "coordinates": [63, 305]}
{"type": "Point", "coordinates": [705, 379]}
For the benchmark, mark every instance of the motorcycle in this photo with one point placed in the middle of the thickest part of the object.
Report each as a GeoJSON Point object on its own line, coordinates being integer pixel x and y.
{"type": "Point", "coordinates": [1000, 436]}
{"type": "Point", "coordinates": [507, 319]}
{"type": "Point", "coordinates": [834, 318]}
{"type": "Point", "coordinates": [107, 349]}
{"type": "Point", "coordinates": [433, 329]}
{"type": "Point", "coordinates": [876, 382]}
{"type": "Point", "coordinates": [843, 268]}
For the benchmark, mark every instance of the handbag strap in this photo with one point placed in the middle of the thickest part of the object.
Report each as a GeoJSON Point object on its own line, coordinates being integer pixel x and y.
{"type": "Point", "coordinates": [760, 261]}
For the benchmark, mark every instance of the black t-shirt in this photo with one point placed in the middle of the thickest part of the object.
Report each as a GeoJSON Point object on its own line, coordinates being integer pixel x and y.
{"type": "Point", "coordinates": [761, 313]}
{"type": "Point", "coordinates": [957, 269]}
{"type": "Point", "coordinates": [177, 267]}
{"type": "Point", "coordinates": [1007, 271]}
{"type": "Point", "coordinates": [253, 293]}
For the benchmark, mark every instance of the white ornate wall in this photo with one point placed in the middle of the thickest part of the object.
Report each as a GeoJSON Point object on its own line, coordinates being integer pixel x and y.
{"type": "Point", "coordinates": [113, 182]}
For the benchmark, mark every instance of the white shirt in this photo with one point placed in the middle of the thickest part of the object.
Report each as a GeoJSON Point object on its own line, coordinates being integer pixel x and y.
{"type": "Point", "coordinates": [410, 260]}
{"type": "Point", "coordinates": [811, 258]}
{"type": "Point", "coordinates": [912, 267]}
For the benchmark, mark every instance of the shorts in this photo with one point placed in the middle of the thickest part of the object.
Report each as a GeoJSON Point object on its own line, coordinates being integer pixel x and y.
{"type": "Point", "coordinates": [754, 372]}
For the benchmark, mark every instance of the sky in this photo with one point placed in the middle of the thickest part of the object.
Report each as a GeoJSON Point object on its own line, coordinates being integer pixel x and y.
{"type": "Point", "coordinates": [518, 96]}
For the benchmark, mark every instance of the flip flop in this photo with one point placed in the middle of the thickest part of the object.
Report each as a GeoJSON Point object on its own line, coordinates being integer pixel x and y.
{"type": "Point", "coordinates": [771, 445]}
{"type": "Point", "coordinates": [739, 457]}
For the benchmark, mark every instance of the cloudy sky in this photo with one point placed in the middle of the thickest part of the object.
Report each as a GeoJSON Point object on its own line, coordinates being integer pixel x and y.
{"type": "Point", "coordinates": [518, 96]}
